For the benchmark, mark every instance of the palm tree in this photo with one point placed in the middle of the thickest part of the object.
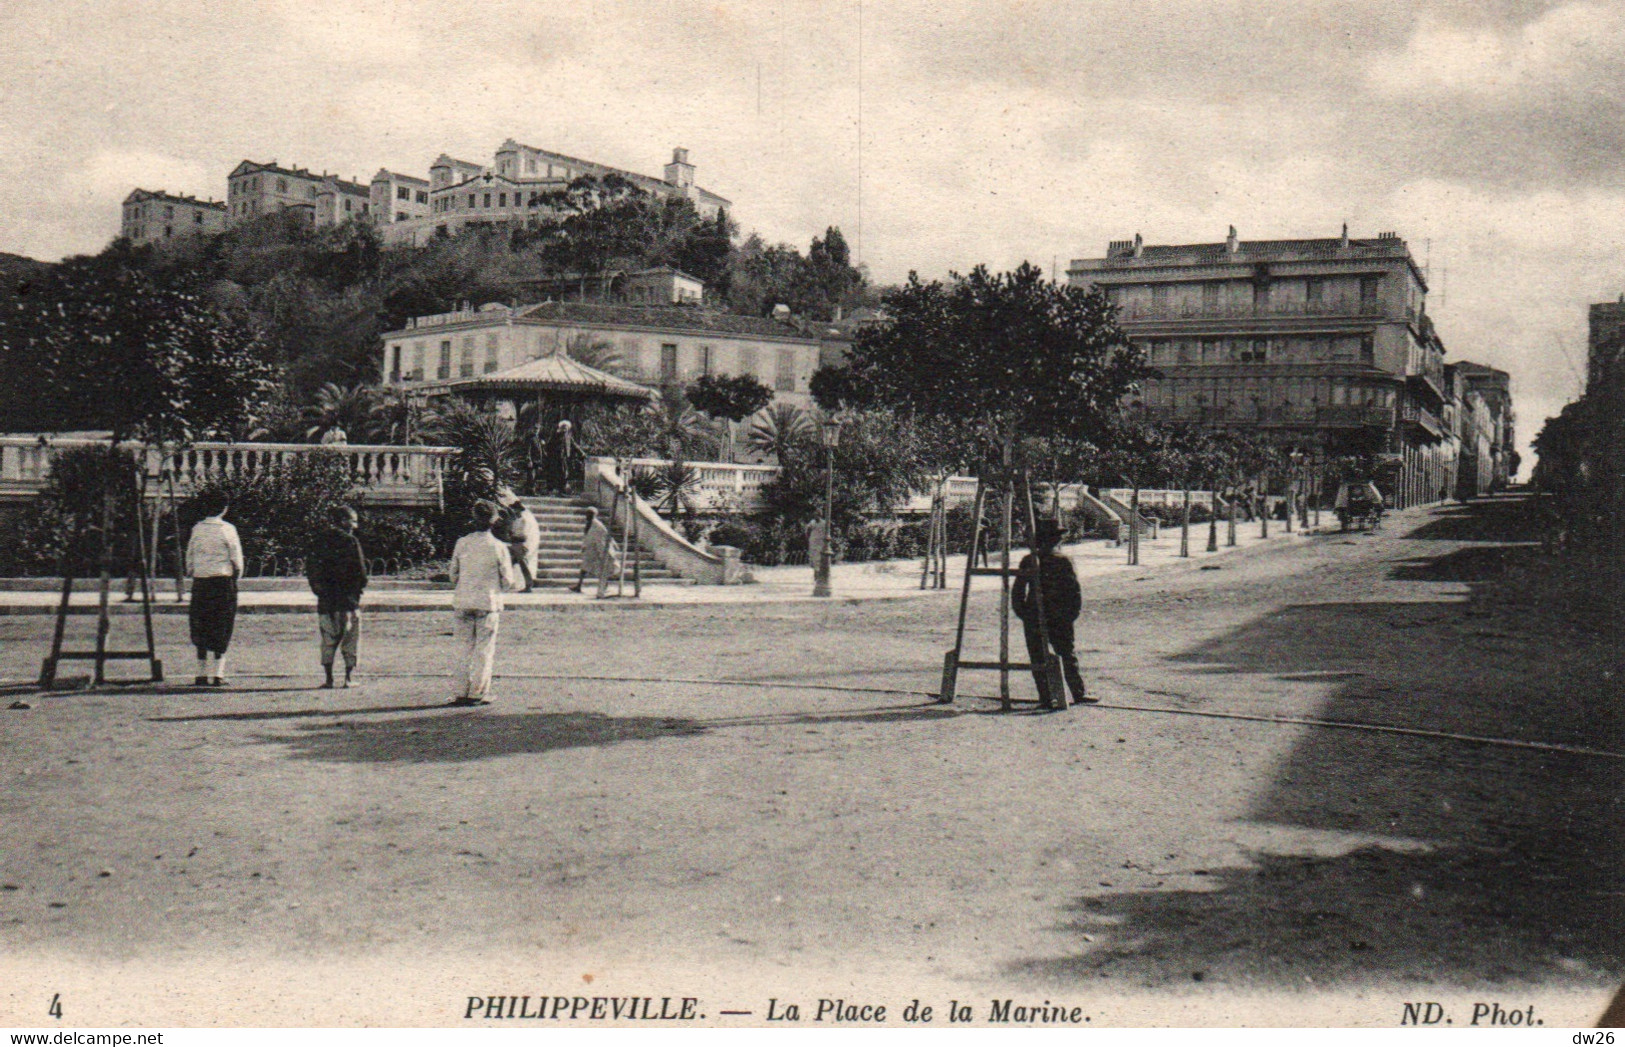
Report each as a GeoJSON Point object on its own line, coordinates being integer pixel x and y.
{"type": "Point", "coordinates": [779, 430]}
{"type": "Point", "coordinates": [672, 488]}
{"type": "Point", "coordinates": [488, 449]}
{"type": "Point", "coordinates": [684, 430]}
{"type": "Point", "coordinates": [336, 407]}
{"type": "Point", "coordinates": [601, 354]}
{"type": "Point", "coordinates": [399, 419]}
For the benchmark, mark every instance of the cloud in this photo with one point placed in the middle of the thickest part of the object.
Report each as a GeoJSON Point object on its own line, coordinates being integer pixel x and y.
{"type": "Point", "coordinates": [359, 32]}
{"type": "Point", "coordinates": [1573, 48]}
{"type": "Point", "coordinates": [106, 177]}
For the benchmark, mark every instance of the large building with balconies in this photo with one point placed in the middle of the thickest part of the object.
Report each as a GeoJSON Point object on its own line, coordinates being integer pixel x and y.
{"type": "Point", "coordinates": [1489, 392]}
{"type": "Point", "coordinates": [1325, 344]}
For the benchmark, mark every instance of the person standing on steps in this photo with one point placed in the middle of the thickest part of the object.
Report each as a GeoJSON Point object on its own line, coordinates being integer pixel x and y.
{"type": "Point", "coordinates": [481, 569]}
{"type": "Point", "coordinates": [337, 571]}
{"type": "Point", "coordinates": [523, 533]}
{"type": "Point", "coordinates": [214, 559]}
{"type": "Point", "coordinates": [561, 458]}
{"type": "Point", "coordinates": [1045, 567]}
{"type": "Point", "coordinates": [598, 558]}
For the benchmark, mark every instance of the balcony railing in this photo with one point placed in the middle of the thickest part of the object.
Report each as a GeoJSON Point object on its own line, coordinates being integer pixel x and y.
{"type": "Point", "coordinates": [1304, 417]}
{"type": "Point", "coordinates": [1423, 418]}
{"type": "Point", "coordinates": [387, 475]}
{"type": "Point", "coordinates": [1329, 307]}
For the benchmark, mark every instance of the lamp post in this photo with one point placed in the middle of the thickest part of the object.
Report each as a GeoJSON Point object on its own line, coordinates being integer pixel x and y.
{"type": "Point", "coordinates": [1296, 458]}
{"type": "Point", "coordinates": [830, 433]}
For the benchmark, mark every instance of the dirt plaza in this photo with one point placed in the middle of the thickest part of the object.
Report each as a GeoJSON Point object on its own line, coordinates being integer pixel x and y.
{"type": "Point", "coordinates": [1326, 776]}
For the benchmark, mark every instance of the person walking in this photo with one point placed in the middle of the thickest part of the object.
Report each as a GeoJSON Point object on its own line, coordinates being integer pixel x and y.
{"type": "Point", "coordinates": [598, 559]}
{"type": "Point", "coordinates": [481, 569]}
{"type": "Point", "coordinates": [523, 534]}
{"type": "Point", "coordinates": [337, 571]}
{"type": "Point", "coordinates": [1044, 571]}
{"type": "Point", "coordinates": [214, 559]}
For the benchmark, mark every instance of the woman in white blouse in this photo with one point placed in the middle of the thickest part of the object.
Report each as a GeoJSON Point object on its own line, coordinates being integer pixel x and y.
{"type": "Point", "coordinates": [214, 559]}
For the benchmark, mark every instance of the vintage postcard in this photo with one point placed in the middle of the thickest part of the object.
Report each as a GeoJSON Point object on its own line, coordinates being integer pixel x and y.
{"type": "Point", "coordinates": [811, 514]}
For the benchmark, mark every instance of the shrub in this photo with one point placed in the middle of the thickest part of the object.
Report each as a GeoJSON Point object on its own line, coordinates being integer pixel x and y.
{"type": "Point", "coordinates": [68, 514]}
{"type": "Point", "coordinates": [396, 538]}
{"type": "Point", "coordinates": [735, 533]}
{"type": "Point", "coordinates": [279, 511]}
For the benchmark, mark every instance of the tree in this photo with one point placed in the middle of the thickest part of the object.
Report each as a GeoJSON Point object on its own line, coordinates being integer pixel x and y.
{"type": "Point", "coordinates": [96, 345]}
{"type": "Point", "coordinates": [488, 448]}
{"type": "Point", "coordinates": [728, 399]}
{"type": "Point", "coordinates": [598, 353]}
{"type": "Point", "coordinates": [734, 397]}
{"type": "Point", "coordinates": [878, 464]}
{"type": "Point", "coordinates": [353, 410]}
{"type": "Point", "coordinates": [704, 254]}
{"type": "Point", "coordinates": [779, 431]}
{"type": "Point", "coordinates": [764, 276]}
{"type": "Point", "coordinates": [606, 220]}
{"type": "Point", "coordinates": [1013, 352]}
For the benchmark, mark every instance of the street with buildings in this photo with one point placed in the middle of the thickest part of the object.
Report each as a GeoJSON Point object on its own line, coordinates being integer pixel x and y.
{"type": "Point", "coordinates": [1329, 774]}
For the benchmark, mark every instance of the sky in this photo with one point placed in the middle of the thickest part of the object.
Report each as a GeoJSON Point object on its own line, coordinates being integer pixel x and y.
{"type": "Point", "coordinates": [937, 136]}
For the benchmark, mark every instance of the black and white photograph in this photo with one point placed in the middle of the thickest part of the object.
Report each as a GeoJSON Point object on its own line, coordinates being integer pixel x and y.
{"type": "Point", "coordinates": [812, 514]}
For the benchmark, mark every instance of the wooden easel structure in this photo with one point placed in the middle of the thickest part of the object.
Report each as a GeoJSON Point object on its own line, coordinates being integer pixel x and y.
{"type": "Point", "coordinates": [1004, 481]}
{"type": "Point", "coordinates": [100, 656]}
{"type": "Point", "coordinates": [934, 571]}
{"type": "Point", "coordinates": [629, 540]}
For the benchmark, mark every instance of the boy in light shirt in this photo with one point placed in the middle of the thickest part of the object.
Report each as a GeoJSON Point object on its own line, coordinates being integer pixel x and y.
{"type": "Point", "coordinates": [482, 569]}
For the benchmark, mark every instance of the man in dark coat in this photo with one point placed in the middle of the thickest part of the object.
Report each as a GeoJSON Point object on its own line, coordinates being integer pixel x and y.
{"type": "Point", "coordinates": [1046, 569]}
{"type": "Point", "coordinates": [338, 574]}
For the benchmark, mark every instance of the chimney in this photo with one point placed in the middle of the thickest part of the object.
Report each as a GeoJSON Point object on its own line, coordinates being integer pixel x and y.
{"type": "Point", "coordinates": [1343, 241]}
{"type": "Point", "coordinates": [1139, 245]}
{"type": "Point", "coordinates": [1230, 241]}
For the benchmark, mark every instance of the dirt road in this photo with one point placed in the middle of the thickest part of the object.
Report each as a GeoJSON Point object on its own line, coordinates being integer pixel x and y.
{"type": "Point", "coordinates": [274, 854]}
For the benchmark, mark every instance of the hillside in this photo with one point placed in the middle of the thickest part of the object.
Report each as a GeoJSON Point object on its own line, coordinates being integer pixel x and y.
{"type": "Point", "coordinates": [16, 267]}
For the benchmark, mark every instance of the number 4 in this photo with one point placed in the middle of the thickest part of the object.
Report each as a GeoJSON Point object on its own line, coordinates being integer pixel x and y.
{"type": "Point", "coordinates": [55, 1010]}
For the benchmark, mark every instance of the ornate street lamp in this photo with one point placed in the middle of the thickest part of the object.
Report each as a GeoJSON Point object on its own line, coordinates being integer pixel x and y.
{"type": "Point", "coordinates": [830, 433]}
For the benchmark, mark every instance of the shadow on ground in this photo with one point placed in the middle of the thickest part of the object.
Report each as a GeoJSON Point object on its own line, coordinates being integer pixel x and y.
{"type": "Point", "coordinates": [461, 736]}
{"type": "Point", "coordinates": [1405, 859]}
{"type": "Point", "coordinates": [456, 736]}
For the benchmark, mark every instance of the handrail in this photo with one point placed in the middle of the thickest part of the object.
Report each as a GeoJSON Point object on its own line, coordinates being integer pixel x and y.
{"type": "Point", "coordinates": [603, 481]}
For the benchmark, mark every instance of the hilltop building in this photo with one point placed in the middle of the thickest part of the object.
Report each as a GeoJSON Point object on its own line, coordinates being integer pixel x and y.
{"type": "Point", "coordinates": [153, 216]}
{"type": "Point", "coordinates": [398, 198]}
{"type": "Point", "coordinates": [255, 189]}
{"type": "Point", "coordinates": [510, 190]}
{"type": "Point", "coordinates": [1323, 343]}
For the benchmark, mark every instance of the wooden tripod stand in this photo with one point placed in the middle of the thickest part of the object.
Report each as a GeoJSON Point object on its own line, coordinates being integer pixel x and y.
{"type": "Point", "coordinates": [1006, 482]}
{"type": "Point", "coordinates": [100, 656]}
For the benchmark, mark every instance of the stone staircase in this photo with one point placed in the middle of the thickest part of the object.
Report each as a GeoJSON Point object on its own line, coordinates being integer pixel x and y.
{"type": "Point", "coordinates": [558, 562]}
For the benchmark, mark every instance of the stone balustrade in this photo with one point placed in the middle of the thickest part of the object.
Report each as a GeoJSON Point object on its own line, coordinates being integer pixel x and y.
{"type": "Point", "coordinates": [402, 476]}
